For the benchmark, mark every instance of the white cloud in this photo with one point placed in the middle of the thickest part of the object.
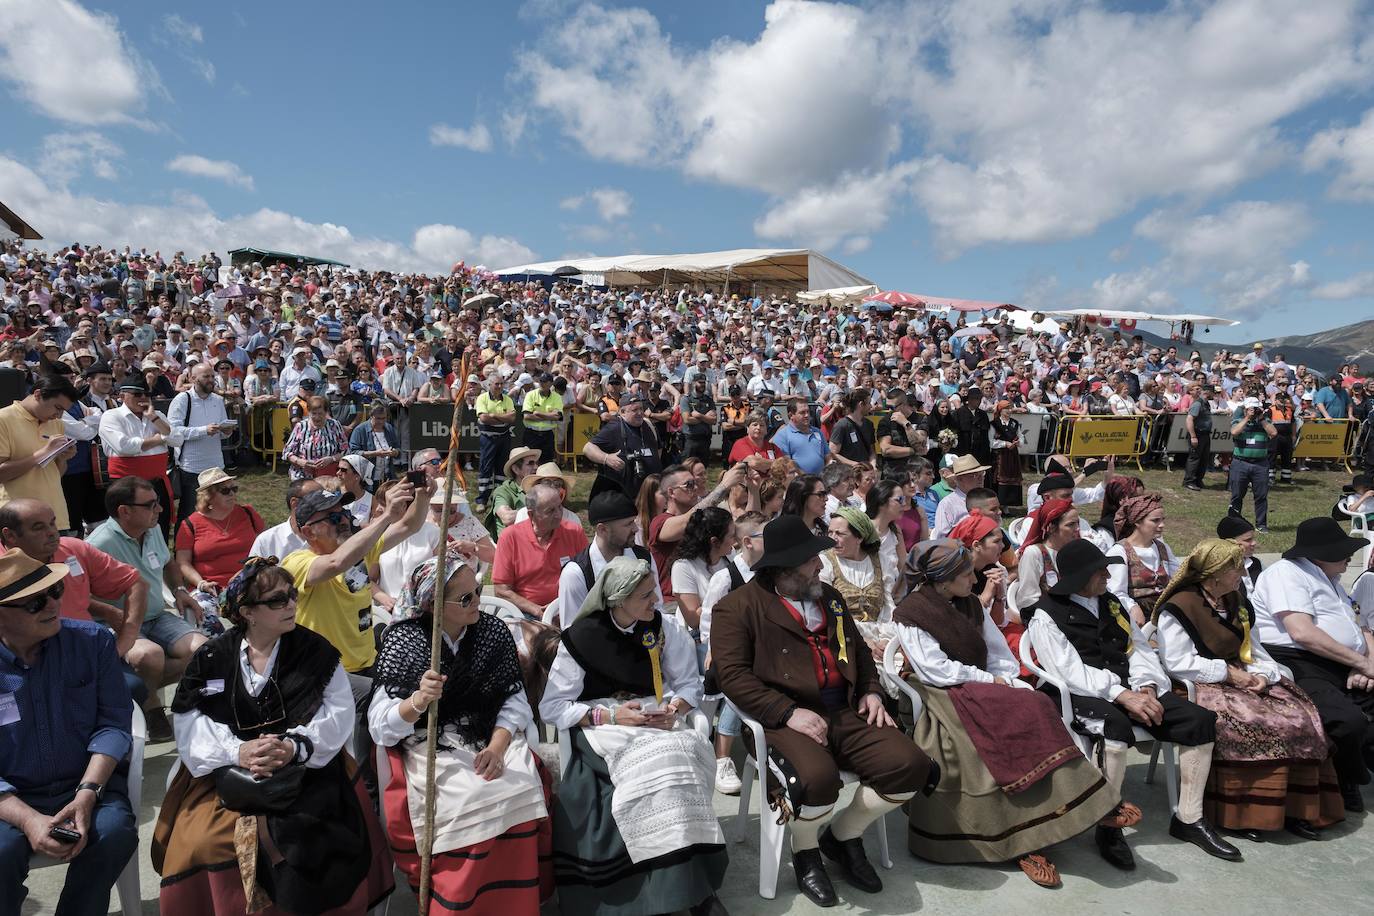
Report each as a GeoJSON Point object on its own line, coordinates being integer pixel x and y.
{"type": "Point", "coordinates": [476, 138]}
{"type": "Point", "coordinates": [65, 156]}
{"type": "Point", "coordinates": [823, 216]}
{"type": "Point", "coordinates": [1240, 257]}
{"type": "Point", "coordinates": [1351, 151]}
{"type": "Point", "coordinates": [70, 63]}
{"type": "Point", "coordinates": [218, 169]}
{"type": "Point", "coordinates": [186, 39]}
{"type": "Point", "coordinates": [1360, 286]}
{"type": "Point", "coordinates": [513, 125]}
{"type": "Point", "coordinates": [188, 224]}
{"type": "Point", "coordinates": [856, 244]}
{"type": "Point", "coordinates": [1020, 120]}
{"type": "Point", "coordinates": [610, 203]}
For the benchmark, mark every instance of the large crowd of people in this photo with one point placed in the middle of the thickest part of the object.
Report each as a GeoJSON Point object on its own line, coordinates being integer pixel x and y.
{"type": "Point", "coordinates": [885, 579]}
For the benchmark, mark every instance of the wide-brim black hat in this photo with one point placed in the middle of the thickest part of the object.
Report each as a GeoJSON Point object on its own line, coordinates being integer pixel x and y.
{"type": "Point", "coordinates": [1324, 539]}
{"type": "Point", "coordinates": [788, 542]}
{"type": "Point", "coordinates": [1076, 563]}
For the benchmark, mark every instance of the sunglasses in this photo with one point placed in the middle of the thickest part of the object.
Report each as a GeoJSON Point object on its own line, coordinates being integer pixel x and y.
{"type": "Point", "coordinates": [333, 518]}
{"type": "Point", "coordinates": [466, 601]}
{"type": "Point", "coordinates": [689, 485]}
{"type": "Point", "coordinates": [278, 601]}
{"type": "Point", "coordinates": [227, 491]}
{"type": "Point", "coordinates": [35, 603]}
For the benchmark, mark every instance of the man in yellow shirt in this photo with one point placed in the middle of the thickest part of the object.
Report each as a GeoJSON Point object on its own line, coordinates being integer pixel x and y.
{"type": "Point", "coordinates": [33, 448]}
{"type": "Point", "coordinates": [334, 575]}
{"type": "Point", "coordinates": [495, 419]}
{"type": "Point", "coordinates": [543, 408]}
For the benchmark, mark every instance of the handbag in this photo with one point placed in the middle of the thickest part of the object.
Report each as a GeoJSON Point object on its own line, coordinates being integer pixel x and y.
{"type": "Point", "coordinates": [240, 791]}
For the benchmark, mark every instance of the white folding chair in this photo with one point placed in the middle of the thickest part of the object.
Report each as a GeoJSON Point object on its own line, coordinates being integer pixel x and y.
{"type": "Point", "coordinates": [771, 833]}
{"type": "Point", "coordinates": [1359, 527]}
{"type": "Point", "coordinates": [501, 608]}
{"type": "Point", "coordinates": [1084, 742]}
{"type": "Point", "coordinates": [891, 672]}
{"type": "Point", "coordinates": [127, 885]}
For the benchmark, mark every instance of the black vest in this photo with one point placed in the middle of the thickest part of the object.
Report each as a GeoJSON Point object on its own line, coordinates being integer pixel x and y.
{"type": "Point", "coordinates": [305, 663]}
{"type": "Point", "coordinates": [583, 561]}
{"type": "Point", "coordinates": [612, 662]}
{"type": "Point", "coordinates": [1100, 642]}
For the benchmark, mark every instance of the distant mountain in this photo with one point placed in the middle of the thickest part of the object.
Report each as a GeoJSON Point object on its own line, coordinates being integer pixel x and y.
{"type": "Point", "coordinates": [1322, 351]}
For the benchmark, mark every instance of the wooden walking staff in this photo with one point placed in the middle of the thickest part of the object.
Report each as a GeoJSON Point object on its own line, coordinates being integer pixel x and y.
{"type": "Point", "coordinates": [436, 635]}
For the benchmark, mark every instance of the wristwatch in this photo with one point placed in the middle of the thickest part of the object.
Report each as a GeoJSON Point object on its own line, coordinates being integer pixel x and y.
{"type": "Point", "coordinates": [95, 787]}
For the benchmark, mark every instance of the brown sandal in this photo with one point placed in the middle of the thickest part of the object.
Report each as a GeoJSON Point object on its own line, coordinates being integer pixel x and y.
{"type": "Point", "coordinates": [1125, 815]}
{"type": "Point", "coordinates": [1040, 870]}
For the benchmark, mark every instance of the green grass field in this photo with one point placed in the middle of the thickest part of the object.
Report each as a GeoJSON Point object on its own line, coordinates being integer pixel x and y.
{"type": "Point", "coordinates": [1189, 518]}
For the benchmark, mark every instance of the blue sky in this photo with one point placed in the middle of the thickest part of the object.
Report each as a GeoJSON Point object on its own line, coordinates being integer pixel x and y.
{"type": "Point", "coordinates": [1171, 156]}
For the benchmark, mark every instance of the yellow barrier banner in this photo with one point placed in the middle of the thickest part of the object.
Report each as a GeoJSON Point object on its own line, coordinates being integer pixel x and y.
{"type": "Point", "coordinates": [281, 428]}
{"type": "Point", "coordinates": [1322, 439]}
{"type": "Point", "coordinates": [585, 426]}
{"type": "Point", "coordinates": [1093, 437]}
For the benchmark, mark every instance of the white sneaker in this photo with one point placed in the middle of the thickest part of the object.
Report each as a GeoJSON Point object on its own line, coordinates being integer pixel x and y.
{"type": "Point", "coordinates": [727, 780]}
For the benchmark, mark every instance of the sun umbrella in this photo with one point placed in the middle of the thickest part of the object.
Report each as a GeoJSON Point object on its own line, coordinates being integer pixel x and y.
{"type": "Point", "coordinates": [235, 291]}
{"type": "Point", "coordinates": [567, 270]}
{"type": "Point", "coordinates": [482, 299]}
{"type": "Point", "coordinates": [974, 331]}
{"type": "Point", "coordinates": [894, 298]}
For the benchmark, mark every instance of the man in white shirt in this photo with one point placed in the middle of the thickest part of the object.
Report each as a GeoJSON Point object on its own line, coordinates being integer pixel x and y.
{"type": "Point", "coordinates": [1082, 496]}
{"type": "Point", "coordinates": [283, 539]}
{"type": "Point", "coordinates": [968, 475]}
{"type": "Point", "coordinates": [289, 382]}
{"type": "Point", "coordinates": [136, 437]}
{"type": "Point", "coordinates": [201, 416]}
{"type": "Point", "coordinates": [613, 517]}
{"type": "Point", "coordinates": [1305, 620]}
{"type": "Point", "coordinates": [1085, 640]}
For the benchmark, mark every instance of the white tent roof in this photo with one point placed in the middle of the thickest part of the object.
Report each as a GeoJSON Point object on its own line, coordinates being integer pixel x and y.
{"type": "Point", "coordinates": [791, 269]}
{"type": "Point", "coordinates": [843, 295]}
{"type": "Point", "coordinates": [1118, 314]}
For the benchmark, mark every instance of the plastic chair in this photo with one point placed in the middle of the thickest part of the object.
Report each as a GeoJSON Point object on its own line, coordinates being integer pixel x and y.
{"type": "Point", "coordinates": [771, 833]}
{"type": "Point", "coordinates": [127, 885]}
{"type": "Point", "coordinates": [891, 673]}
{"type": "Point", "coordinates": [1359, 527]}
{"type": "Point", "coordinates": [502, 608]}
{"type": "Point", "coordinates": [1084, 742]}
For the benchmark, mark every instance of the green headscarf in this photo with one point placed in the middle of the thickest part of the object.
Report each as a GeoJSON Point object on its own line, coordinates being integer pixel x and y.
{"type": "Point", "coordinates": [863, 525]}
{"type": "Point", "coordinates": [613, 586]}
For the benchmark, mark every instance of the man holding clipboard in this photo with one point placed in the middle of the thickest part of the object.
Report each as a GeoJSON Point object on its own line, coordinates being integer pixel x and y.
{"type": "Point", "coordinates": [33, 448]}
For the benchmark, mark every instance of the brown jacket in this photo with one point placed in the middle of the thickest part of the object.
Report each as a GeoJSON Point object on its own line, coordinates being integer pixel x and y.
{"type": "Point", "coordinates": [764, 663]}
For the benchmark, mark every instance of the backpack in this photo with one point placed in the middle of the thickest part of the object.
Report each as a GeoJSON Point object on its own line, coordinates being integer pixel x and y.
{"type": "Point", "coordinates": [583, 560]}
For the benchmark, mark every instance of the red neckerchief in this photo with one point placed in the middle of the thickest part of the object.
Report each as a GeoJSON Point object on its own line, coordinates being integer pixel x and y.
{"type": "Point", "coordinates": [822, 655]}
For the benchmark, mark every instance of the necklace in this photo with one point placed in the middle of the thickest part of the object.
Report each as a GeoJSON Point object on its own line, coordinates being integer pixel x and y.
{"type": "Point", "coordinates": [222, 526]}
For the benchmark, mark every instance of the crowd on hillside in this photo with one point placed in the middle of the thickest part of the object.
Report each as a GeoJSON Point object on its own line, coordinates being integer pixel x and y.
{"type": "Point", "coordinates": [859, 592]}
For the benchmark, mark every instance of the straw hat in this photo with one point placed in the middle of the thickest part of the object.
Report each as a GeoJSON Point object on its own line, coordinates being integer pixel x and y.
{"type": "Point", "coordinates": [967, 464]}
{"type": "Point", "coordinates": [547, 471]}
{"type": "Point", "coordinates": [21, 575]}
{"type": "Point", "coordinates": [516, 454]}
{"type": "Point", "coordinates": [207, 479]}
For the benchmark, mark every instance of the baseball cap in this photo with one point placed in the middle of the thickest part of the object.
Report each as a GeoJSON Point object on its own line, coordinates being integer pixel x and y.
{"type": "Point", "coordinates": [318, 501]}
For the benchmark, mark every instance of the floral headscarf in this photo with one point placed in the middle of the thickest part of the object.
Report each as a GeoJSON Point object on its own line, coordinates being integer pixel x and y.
{"type": "Point", "coordinates": [417, 597]}
{"type": "Point", "coordinates": [1207, 559]}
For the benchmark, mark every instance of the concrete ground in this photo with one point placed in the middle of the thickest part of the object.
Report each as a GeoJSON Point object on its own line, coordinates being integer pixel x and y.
{"type": "Point", "coordinates": [1335, 873]}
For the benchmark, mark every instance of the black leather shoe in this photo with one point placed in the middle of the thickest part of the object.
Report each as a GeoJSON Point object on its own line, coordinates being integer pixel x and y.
{"type": "Point", "coordinates": [1254, 836]}
{"type": "Point", "coordinates": [1351, 796]}
{"type": "Point", "coordinates": [711, 906]}
{"type": "Point", "coordinates": [1111, 843]}
{"type": "Point", "coordinates": [1205, 838]}
{"type": "Point", "coordinates": [1301, 828]}
{"type": "Point", "coordinates": [812, 879]}
{"type": "Point", "coordinates": [858, 871]}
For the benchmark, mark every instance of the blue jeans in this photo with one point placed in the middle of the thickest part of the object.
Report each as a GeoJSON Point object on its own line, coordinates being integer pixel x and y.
{"type": "Point", "coordinates": [92, 874]}
{"type": "Point", "coordinates": [729, 722]}
{"type": "Point", "coordinates": [1255, 475]}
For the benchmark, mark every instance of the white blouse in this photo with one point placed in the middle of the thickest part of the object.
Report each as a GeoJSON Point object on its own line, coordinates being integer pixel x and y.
{"type": "Point", "coordinates": [681, 680]}
{"type": "Point", "coordinates": [1058, 657]}
{"type": "Point", "coordinates": [1183, 661]}
{"type": "Point", "coordinates": [1119, 575]}
{"type": "Point", "coordinates": [387, 728]}
{"type": "Point", "coordinates": [860, 574]}
{"type": "Point", "coordinates": [934, 667]}
{"type": "Point", "coordinates": [206, 745]}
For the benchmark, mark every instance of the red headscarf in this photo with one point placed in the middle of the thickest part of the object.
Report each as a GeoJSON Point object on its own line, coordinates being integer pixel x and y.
{"type": "Point", "coordinates": [973, 527]}
{"type": "Point", "coordinates": [1043, 518]}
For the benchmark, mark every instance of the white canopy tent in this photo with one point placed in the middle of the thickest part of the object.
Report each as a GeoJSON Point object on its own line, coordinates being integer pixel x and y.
{"type": "Point", "coordinates": [843, 295]}
{"type": "Point", "coordinates": [747, 269]}
{"type": "Point", "coordinates": [1118, 314]}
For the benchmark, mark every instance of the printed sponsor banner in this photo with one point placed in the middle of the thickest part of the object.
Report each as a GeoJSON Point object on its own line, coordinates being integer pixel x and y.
{"type": "Point", "coordinates": [1095, 437]}
{"type": "Point", "coordinates": [1221, 433]}
{"type": "Point", "coordinates": [1322, 439]}
{"type": "Point", "coordinates": [1033, 426]}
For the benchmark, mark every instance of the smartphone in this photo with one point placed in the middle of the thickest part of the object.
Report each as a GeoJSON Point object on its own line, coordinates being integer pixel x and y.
{"type": "Point", "coordinates": [416, 478]}
{"type": "Point", "coordinates": [64, 835]}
